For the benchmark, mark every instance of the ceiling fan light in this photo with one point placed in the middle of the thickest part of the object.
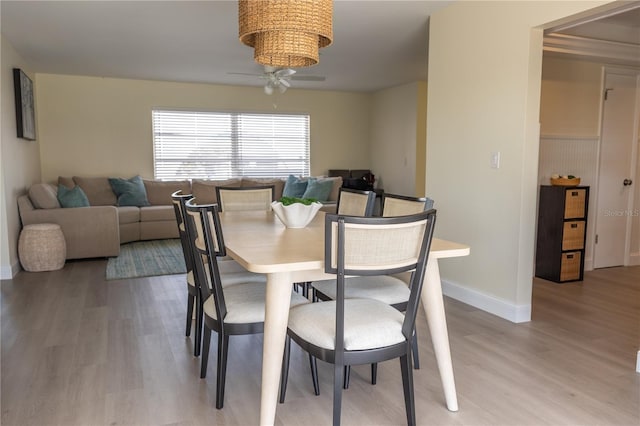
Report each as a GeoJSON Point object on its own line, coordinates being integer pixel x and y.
{"type": "Point", "coordinates": [268, 89]}
{"type": "Point", "coordinates": [286, 33]}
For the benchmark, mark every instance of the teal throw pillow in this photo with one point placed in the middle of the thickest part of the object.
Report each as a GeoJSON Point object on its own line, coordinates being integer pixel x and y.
{"type": "Point", "coordinates": [130, 192]}
{"type": "Point", "coordinates": [318, 189]}
{"type": "Point", "coordinates": [72, 197]}
{"type": "Point", "coordinates": [294, 187]}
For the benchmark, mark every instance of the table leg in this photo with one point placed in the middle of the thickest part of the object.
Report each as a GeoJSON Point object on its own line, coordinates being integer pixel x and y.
{"type": "Point", "coordinates": [278, 300]}
{"type": "Point", "coordinates": [434, 309]}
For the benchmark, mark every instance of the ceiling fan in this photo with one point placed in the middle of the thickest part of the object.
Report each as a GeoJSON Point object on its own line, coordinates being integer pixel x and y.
{"type": "Point", "coordinates": [279, 78]}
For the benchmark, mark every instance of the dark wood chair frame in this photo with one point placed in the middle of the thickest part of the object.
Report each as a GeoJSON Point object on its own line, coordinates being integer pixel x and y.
{"type": "Point", "coordinates": [370, 201]}
{"type": "Point", "coordinates": [193, 297]}
{"type": "Point", "coordinates": [341, 357]}
{"type": "Point", "coordinates": [223, 329]}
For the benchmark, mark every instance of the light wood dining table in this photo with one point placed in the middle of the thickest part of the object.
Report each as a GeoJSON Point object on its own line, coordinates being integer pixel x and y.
{"type": "Point", "coordinates": [262, 244]}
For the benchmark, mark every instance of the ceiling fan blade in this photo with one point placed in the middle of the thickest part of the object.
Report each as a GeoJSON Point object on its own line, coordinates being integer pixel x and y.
{"type": "Point", "coordinates": [282, 88]}
{"type": "Point", "coordinates": [245, 73]}
{"type": "Point", "coordinates": [308, 78]}
{"type": "Point", "coordinates": [284, 82]}
{"type": "Point", "coordinates": [284, 72]}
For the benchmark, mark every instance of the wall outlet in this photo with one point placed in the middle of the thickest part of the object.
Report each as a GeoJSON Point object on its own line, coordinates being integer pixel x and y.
{"type": "Point", "coordinates": [495, 160]}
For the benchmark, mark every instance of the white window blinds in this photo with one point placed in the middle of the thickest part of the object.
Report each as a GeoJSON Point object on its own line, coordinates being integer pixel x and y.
{"type": "Point", "coordinates": [214, 145]}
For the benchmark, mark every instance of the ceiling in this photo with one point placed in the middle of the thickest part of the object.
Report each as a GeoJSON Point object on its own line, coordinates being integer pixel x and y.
{"type": "Point", "coordinates": [377, 44]}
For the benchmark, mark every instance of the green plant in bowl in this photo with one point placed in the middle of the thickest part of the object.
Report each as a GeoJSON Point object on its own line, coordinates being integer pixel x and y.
{"type": "Point", "coordinates": [287, 201]}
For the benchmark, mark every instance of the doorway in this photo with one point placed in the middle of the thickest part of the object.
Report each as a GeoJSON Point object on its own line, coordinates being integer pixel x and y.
{"type": "Point", "coordinates": [613, 215]}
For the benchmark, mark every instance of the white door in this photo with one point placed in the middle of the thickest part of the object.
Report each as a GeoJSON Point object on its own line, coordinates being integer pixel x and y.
{"type": "Point", "coordinates": [615, 181]}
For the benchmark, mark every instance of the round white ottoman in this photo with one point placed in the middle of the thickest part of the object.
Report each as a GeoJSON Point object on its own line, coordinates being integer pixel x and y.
{"type": "Point", "coordinates": [41, 247]}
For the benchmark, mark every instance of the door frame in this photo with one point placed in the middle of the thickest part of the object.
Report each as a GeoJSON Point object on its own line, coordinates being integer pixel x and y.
{"type": "Point", "coordinates": [606, 70]}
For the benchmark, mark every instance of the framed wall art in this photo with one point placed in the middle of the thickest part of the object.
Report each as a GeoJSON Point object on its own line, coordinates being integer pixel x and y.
{"type": "Point", "coordinates": [25, 109]}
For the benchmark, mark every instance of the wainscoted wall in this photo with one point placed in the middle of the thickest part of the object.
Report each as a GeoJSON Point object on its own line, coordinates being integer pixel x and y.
{"type": "Point", "coordinates": [572, 155]}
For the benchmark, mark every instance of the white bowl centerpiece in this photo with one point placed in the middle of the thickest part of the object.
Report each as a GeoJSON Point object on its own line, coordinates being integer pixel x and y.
{"type": "Point", "coordinates": [296, 212]}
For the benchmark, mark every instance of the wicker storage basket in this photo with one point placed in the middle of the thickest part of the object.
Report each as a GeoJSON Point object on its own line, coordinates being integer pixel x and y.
{"type": "Point", "coordinates": [565, 182]}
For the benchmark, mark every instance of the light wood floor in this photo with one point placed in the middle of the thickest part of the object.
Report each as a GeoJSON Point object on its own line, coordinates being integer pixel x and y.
{"type": "Point", "coordinates": [78, 350]}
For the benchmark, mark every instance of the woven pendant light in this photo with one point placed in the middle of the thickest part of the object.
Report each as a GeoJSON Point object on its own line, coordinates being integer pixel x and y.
{"type": "Point", "coordinates": [286, 33]}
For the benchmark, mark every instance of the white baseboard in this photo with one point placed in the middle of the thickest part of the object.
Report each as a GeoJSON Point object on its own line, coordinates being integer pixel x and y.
{"type": "Point", "coordinates": [588, 264]}
{"type": "Point", "coordinates": [7, 272]}
{"type": "Point", "coordinates": [638, 363]}
{"type": "Point", "coordinates": [488, 303]}
{"type": "Point", "coordinates": [634, 259]}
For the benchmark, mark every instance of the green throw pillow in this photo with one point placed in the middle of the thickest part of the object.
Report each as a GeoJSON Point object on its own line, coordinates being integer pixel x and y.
{"type": "Point", "coordinates": [294, 187]}
{"type": "Point", "coordinates": [72, 197]}
{"type": "Point", "coordinates": [130, 192]}
{"type": "Point", "coordinates": [318, 189]}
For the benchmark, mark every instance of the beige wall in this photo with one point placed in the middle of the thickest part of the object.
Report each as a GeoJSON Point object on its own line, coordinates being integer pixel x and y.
{"type": "Point", "coordinates": [394, 125]}
{"type": "Point", "coordinates": [19, 162]}
{"type": "Point", "coordinates": [485, 62]}
{"type": "Point", "coordinates": [102, 126]}
{"type": "Point", "coordinates": [570, 98]}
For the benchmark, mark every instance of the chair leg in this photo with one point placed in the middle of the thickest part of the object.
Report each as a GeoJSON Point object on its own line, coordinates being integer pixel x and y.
{"type": "Point", "coordinates": [338, 380]}
{"type": "Point", "coordinates": [190, 301]}
{"type": "Point", "coordinates": [347, 375]}
{"type": "Point", "coordinates": [305, 289]}
{"type": "Point", "coordinates": [374, 373]}
{"type": "Point", "coordinates": [223, 350]}
{"type": "Point", "coordinates": [414, 350]}
{"type": "Point", "coordinates": [199, 324]}
{"type": "Point", "coordinates": [205, 352]}
{"type": "Point", "coordinates": [314, 374]}
{"type": "Point", "coordinates": [284, 374]}
{"type": "Point", "coordinates": [407, 386]}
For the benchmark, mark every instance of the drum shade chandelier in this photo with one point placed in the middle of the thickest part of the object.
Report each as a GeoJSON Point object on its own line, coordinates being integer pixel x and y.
{"type": "Point", "coordinates": [286, 33]}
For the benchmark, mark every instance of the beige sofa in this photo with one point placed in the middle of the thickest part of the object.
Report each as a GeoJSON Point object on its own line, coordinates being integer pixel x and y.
{"type": "Point", "coordinates": [98, 230]}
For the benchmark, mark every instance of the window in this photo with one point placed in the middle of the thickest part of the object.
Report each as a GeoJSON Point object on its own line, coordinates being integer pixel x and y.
{"type": "Point", "coordinates": [215, 145]}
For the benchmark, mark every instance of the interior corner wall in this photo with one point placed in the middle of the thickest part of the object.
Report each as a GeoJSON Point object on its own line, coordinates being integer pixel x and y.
{"type": "Point", "coordinates": [94, 126]}
{"type": "Point", "coordinates": [421, 140]}
{"type": "Point", "coordinates": [20, 161]}
{"type": "Point", "coordinates": [485, 61]}
{"type": "Point", "coordinates": [393, 138]}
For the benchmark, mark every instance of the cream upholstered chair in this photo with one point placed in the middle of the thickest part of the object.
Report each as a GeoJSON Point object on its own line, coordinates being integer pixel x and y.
{"type": "Point", "coordinates": [231, 271]}
{"type": "Point", "coordinates": [246, 198]}
{"type": "Point", "coordinates": [228, 309]}
{"type": "Point", "coordinates": [363, 331]}
{"type": "Point", "coordinates": [353, 202]}
{"type": "Point", "coordinates": [392, 290]}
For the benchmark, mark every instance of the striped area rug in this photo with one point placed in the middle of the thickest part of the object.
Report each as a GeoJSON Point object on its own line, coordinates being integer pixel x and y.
{"type": "Point", "coordinates": [147, 259]}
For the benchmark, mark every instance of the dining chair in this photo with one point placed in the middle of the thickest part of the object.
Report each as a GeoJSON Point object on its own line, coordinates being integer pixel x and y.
{"type": "Point", "coordinates": [231, 271]}
{"type": "Point", "coordinates": [402, 205]}
{"type": "Point", "coordinates": [389, 289]}
{"type": "Point", "coordinates": [236, 309]}
{"type": "Point", "coordinates": [364, 331]}
{"type": "Point", "coordinates": [353, 202]}
{"type": "Point", "coordinates": [245, 198]}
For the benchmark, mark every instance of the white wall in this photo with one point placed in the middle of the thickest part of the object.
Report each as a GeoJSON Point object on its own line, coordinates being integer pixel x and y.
{"type": "Point", "coordinates": [394, 128]}
{"type": "Point", "coordinates": [485, 61]}
{"type": "Point", "coordinates": [102, 126]}
{"type": "Point", "coordinates": [19, 162]}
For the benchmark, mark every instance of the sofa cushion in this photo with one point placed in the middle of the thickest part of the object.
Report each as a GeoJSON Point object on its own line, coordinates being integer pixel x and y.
{"type": "Point", "coordinates": [97, 189]}
{"type": "Point", "coordinates": [278, 185]}
{"type": "Point", "coordinates": [128, 214]}
{"type": "Point", "coordinates": [294, 187]}
{"type": "Point", "coordinates": [318, 189]}
{"type": "Point", "coordinates": [159, 192]}
{"type": "Point", "coordinates": [155, 213]}
{"type": "Point", "coordinates": [44, 196]}
{"type": "Point", "coordinates": [66, 181]}
{"type": "Point", "coordinates": [204, 191]}
{"type": "Point", "coordinates": [72, 197]}
{"type": "Point", "coordinates": [130, 192]}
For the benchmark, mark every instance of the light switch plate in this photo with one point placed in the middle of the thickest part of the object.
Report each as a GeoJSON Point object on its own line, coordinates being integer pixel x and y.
{"type": "Point", "coordinates": [495, 160]}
